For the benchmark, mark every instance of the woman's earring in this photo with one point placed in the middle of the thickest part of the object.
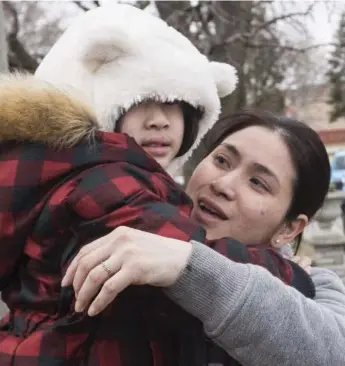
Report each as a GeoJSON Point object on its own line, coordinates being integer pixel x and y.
{"type": "Point", "coordinates": [277, 241]}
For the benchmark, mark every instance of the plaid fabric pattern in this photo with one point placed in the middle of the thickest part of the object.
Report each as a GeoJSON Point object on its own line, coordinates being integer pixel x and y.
{"type": "Point", "coordinates": [54, 202]}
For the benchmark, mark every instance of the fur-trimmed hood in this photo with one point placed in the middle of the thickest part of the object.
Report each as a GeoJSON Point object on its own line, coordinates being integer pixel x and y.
{"type": "Point", "coordinates": [118, 55]}
{"type": "Point", "coordinates": [36, 111]}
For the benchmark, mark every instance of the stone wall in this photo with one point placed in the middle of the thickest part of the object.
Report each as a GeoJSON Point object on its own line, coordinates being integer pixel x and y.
{"type": "Point", "coordinates": [331, 257]}
{"type": "Point", "coordinates": [326, 235]}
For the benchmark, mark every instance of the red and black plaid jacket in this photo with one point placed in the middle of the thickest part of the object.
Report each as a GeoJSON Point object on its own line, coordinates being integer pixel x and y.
{"type": "Point", "coordinates": [54, 202]}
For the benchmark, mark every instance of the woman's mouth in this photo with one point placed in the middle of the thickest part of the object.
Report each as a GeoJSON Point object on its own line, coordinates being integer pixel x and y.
{"type": "Point", "coordinates": [210, 211]}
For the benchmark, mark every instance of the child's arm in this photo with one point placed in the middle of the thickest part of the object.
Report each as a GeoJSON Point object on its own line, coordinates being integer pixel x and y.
{"type": "Point", "coordinates": [118, 194]}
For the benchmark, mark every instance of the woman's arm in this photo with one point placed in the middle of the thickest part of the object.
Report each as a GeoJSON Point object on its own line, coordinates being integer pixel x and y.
{"type": "Point", "coordinates": [256, 318]}
{"type": "Point", "coordinates": [330, 290]}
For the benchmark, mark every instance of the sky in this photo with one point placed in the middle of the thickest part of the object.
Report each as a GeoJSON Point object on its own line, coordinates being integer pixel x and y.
{"type": "Point", "coordinates": [325, 17]}
{"type": "Point", "coordinates": [322, 25]}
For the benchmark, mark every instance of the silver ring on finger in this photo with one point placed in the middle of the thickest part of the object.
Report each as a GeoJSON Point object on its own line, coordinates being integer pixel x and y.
{"type": "Point", "coordinates": [106, 269]}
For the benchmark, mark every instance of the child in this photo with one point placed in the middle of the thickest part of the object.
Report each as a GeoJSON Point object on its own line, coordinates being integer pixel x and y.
{"type": "Point", "coordinates": [120, 59]}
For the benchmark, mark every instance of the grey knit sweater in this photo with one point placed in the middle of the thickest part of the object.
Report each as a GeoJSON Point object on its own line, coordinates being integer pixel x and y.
{"type": "Point", "coordinates": [257, 319]}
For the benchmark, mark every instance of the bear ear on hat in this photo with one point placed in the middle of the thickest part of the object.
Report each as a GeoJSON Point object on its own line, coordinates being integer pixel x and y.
{"type": "Point", "coordinates": [225, 77]}
{"type": "Point", "coordinates": [103, 47]}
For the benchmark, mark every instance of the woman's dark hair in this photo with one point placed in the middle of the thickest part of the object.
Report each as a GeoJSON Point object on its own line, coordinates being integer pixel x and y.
{"type": "Point", "coordinates": [308, 154]}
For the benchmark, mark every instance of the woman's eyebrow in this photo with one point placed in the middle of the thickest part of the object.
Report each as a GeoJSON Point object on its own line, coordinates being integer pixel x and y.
{"type": "Point", "coordinates": [263, 169]}
{"type": "Point", "coordinates": [232, 149]}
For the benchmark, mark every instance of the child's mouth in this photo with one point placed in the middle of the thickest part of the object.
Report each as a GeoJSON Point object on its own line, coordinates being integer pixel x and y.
{"type": "Point", "coordinates": [156, 147]}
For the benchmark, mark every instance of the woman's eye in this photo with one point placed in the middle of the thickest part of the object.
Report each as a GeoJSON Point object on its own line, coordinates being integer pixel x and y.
{"type": "Point", "coordinates": [221, 161]}
{"type": "Point", "coordinates": [259, 184]}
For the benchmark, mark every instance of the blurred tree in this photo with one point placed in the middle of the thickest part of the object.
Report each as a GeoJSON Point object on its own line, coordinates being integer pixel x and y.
{"type": "Point", "coordinates": [336, 72]}
{"type": "Point", "coordinates": [30, 33]}
{"type": "Point", "coordinates": [246, 34]}
{"type": "Point", "coordinates": [3, 42]}
{"type": "Point", "coordinates": [19, 57]}
{"type": "Point", "coordinates": [251, 35]}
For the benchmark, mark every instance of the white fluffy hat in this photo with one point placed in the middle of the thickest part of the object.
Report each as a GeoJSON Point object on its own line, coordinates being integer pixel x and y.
{"type": "Point", "coordinates": [118, 55]}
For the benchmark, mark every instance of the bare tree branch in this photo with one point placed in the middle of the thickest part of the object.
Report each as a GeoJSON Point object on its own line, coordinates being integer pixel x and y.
{"type": "Point", "coordinates": [288, 47]}
{"type": "Point", "coordinates": [244, 37]}
{"type": "Point", "coordinates": [19, 57]}
{"type": "Point", "coordinates": [3, 43]}
{"type": "Point", "coordinates": [172, 12]}
{"type": "Point", "coordinates": [15, 23]}
{"type": "Point", "coordinates": [283, 17]}
{"type": "Point", "coordinates": [82, 6]}
{"type": "Point", "coordinates": [142, 4]}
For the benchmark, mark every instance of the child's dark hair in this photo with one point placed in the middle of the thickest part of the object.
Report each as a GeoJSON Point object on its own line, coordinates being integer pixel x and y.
{"type": "Point", "coordinates": [308, 154]}
{"type": "Point", "coordinates": [192, 117]}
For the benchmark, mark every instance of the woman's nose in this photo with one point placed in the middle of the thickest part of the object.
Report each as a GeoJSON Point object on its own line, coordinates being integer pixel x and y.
{"type": "Point", "coordinates": [224, 186]}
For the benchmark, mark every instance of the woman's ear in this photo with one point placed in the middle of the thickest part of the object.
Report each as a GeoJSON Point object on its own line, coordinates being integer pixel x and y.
{"type": "Point", "coordinates": [289, 231]}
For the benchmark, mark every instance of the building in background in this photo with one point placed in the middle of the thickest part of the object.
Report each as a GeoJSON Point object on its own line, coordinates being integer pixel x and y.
{"type": "Point", "coordinates": [309, 104]}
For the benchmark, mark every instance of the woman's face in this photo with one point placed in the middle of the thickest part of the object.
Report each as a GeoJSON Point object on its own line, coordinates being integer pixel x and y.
{"type": "Point", "coordinates": [244, 188]}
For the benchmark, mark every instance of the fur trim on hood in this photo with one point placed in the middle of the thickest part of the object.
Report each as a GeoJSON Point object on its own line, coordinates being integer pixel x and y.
{"type": "Point", "coordinates": [33, 110]}
{"type": "Point", "coordinates": [118, 55]}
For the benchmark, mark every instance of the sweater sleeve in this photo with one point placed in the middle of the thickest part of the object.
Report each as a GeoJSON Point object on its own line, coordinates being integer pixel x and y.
{"type": "Point", "coordinates": [115, 194]}
{"type": "Point", "coordinates": [256, 318]}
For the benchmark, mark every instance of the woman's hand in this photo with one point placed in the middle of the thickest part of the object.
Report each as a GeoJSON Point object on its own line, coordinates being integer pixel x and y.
{"type": "Point", "coordinates": [303, 262]}
{"type": "Point", "coordinates": [122, 258]}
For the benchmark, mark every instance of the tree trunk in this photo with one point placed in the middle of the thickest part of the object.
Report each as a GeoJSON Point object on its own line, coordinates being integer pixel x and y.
{"type": "Point", "coordinates": [3, 43]}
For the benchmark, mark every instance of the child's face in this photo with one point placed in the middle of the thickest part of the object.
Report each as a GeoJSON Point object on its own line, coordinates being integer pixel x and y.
{"type": "Point", "coordinates": [157, 127]}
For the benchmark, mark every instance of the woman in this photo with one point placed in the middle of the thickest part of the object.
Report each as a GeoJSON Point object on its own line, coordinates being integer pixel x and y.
{"type": "Point", "coordinates": [256, 183]}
